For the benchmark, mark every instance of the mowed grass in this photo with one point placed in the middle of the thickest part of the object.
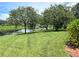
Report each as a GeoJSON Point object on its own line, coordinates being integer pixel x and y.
{"type": "Point", "coordinates": [8, 28]}
{"type": "Point", "coordinates": [49, 44]}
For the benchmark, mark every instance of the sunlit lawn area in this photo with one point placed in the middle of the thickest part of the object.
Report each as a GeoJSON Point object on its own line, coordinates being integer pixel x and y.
{"type": "Point", "coordinates": [35, 44]}
{"type": "Point", "coordinates": [9, 27]}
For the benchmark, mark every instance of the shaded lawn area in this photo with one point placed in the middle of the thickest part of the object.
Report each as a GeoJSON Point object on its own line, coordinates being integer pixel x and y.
{"type": "Point", "coordinates": [35, 44]}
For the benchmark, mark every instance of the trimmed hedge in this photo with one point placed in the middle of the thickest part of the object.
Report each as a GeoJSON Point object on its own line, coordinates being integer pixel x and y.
{"type": "Point", "coordinates": [73, 29]}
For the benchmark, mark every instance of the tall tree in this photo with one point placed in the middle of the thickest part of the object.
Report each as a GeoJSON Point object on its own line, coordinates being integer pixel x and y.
{"type": "Point", "coordinates": [46, 18]}
{"type": "Point", "coordinates": [58, 16]}
{"type": "Point", "coordinates": [75, 10]}
{"type": "Point", "coordinates": [25, 15]}
{"type": "Point", "coordinates": [13, 19]}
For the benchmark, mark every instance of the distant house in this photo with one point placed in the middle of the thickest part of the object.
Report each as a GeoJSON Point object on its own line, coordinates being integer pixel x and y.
{"type": "Point", "coordinates": [3, 22]}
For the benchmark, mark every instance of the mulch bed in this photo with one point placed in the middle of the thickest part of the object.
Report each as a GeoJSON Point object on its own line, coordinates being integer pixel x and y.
{"type": "Point", "coordinates": [73, 52]}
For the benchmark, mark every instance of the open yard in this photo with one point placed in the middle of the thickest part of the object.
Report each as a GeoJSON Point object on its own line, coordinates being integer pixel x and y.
{"type": "Point", "coordinates": [29, 29]}
{"type": "Point", "coordinates": [35, 44]}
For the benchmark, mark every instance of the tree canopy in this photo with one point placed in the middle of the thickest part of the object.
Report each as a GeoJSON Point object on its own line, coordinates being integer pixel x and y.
{"type": "Point", "coordinates": [58, 16]}
{"type": "Point", "coordinates": [25, 15]}
{"type": "Point", "coordinates": [75, 10]}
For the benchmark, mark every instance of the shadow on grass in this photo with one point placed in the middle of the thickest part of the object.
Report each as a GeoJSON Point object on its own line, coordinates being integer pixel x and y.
{"type": "Point", "coordinates": [52, 30]}
{"type": "Point", "coordinates": [41, 31]}
{"type": "Point", "coordinates": [26, 33]}
{"type": "Point", "coordinates": [2, 33]}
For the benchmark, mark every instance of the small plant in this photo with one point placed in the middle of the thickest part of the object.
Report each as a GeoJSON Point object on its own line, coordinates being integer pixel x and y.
{"type": "Point", "coordinates": [73, 29]}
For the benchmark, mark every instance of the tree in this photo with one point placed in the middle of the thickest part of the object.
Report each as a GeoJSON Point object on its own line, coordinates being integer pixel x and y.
{"type": "Point", "coordinates": [25, 15]}
{"type": "Point", "coordinates": [46, 18]}
{"type": "Point", "coordinates": [75, 10]}
{"type": "Point", "coordinates": [41, 21]}
{"type": "Point", "coordinates": [13, 19]}
{"type": "Point", "coordinates": [58, 16]}
{"type": "Point", "coordinates": [63, 16]}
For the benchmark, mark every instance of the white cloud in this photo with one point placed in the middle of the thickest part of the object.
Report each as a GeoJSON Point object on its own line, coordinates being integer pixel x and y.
{"type": "Point", "coordinates": [4, 16]}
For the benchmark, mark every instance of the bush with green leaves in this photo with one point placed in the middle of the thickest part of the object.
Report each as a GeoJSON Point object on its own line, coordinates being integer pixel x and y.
{"type": "Point", "coordinates": [73, 29]}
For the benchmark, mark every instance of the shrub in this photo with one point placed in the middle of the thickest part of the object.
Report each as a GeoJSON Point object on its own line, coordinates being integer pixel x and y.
{"type": "Point", "coordinates": [73, 29]}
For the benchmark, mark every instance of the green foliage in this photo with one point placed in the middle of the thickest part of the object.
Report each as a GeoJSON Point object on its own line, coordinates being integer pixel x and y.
{"type": "Point", "coordinates": [73, 29]}
{"type": "Point", "coordinates": [13, 19]}
{"type": "Point", "coordinates": [75, 10]}
{"type": "Point", "coordinates": [61, 16]}
{"type": "Point", "coordinates": [58, 16]}
{"type": "Point", "coordinates": [45, 19]}
{"type": "Point", "coordinates": [25, 16]}
{"type": "Point", "coordinates": [41, 21]}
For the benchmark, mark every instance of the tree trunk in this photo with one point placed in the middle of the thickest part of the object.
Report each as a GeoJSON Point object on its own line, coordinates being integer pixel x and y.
{"type": "Point", "coordinates": [46, 27]}
{"type": "Point", "coordinates": [15, 27]}
{"type": "Point", "coordinates": [56, 29]}
{"type": "Point", "coordinates": [25, 27]}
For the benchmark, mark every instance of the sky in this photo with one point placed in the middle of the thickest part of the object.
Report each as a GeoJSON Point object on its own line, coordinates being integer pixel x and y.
{"type": "Point", "coordinates": [5, 7]}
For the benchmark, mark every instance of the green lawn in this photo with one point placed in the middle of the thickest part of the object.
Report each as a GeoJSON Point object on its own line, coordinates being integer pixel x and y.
{"type": "Point", "coordinates": [8, 28]}
{"type": "Point", "coordinates": [35, 44]}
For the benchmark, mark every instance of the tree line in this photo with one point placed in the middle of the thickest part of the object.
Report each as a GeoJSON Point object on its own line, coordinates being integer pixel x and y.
{"type": "Point", "coordinates": [56, 15]}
